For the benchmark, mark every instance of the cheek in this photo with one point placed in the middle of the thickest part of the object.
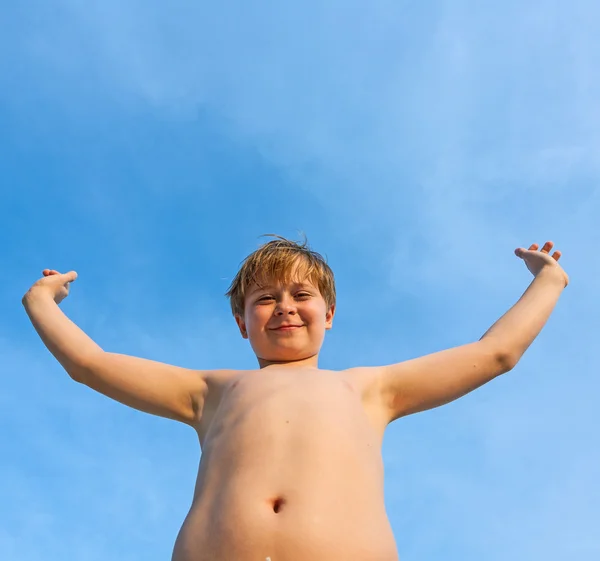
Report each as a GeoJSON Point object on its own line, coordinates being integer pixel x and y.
{"type": "Point", "coordinates": [316, 313]}
{"type": "Point", "coordinates": [257, 317]}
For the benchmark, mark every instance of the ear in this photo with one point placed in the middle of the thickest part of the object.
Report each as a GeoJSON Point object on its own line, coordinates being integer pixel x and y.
{"type": "Point", "coordinates": [241, 325]}
{"type": "Point", "coordinates": [329, 317]}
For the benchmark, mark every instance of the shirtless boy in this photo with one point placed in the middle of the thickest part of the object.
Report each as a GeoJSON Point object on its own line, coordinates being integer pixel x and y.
{"type": "Point", "coordinates": [291, 466]}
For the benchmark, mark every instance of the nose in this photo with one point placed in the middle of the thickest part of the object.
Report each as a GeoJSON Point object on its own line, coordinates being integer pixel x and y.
{"type": "Point", "coordinates": [285, 306]}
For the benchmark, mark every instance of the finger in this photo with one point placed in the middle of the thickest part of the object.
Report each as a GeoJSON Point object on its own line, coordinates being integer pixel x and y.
{"type": "Point", "coordinates": [70, 276]}
{"type": "Point", "coordinates": [533, 247]}
{"type": "Point", "coordinates": [547, 247]}
{"type": "Point", "coordinates": [557, 255]}
{"type": "Point", "coordinates": [520, 252]}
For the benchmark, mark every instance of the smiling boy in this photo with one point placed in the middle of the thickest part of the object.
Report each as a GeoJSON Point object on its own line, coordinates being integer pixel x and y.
{"type": "Point", "coordinates": [291, 466]}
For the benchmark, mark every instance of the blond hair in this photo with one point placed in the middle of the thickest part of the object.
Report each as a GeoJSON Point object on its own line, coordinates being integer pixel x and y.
{"type": "Point", "coordinates": [275, 262]}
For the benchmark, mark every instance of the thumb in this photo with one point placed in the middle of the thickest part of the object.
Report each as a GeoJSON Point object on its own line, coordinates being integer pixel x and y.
{"type": "Point", "coordinates": [521, 252]}
{"type": "Point", "coordinates": [69, 277]}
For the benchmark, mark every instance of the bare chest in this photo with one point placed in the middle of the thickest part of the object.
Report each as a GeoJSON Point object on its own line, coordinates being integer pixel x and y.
{"type": "Point", "coordinates": [274, 405]}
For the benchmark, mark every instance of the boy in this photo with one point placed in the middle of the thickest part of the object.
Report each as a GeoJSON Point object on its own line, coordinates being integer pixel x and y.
{"type": "Point", "coordinates": [291, 467]}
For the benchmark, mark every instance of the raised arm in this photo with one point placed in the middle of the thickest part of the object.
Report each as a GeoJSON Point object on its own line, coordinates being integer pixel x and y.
{"type": "Point", "coordinates": [439, 378]}
{"type": "Point", "coordinates": [146, 385]}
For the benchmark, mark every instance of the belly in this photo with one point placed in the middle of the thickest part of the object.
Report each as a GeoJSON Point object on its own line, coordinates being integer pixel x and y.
{"type": "Point", "coordinates": [315, 506]}
{"type": "Point", "coordinates": [288, 525]}
{"type": "Point", "coordinates": [291, 470]}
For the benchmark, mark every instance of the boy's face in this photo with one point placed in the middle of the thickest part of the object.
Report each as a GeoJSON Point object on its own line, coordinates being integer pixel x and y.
{"type": "Point", "coordinates": [285, 322]}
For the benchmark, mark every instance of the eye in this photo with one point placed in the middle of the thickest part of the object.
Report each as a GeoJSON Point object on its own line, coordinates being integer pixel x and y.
{"type": "Point", "coordinates": [303, 295]}
{"type": "Point", "coordinates": [265, 299]}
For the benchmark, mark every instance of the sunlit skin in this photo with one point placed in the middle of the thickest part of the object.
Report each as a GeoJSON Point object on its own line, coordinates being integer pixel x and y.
{"type": "Point", "coordinates": [286, 323]}
{"type": "Point", "coordinates": [537, 260]}
{"type": "Point", "coordinates": [291, 466]}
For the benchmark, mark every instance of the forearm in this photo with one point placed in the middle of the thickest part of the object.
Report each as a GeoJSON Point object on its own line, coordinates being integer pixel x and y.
{"type": "Point", "coordinates": [517, 329]}
{"type": "Point", "coordinates": [67, 342]}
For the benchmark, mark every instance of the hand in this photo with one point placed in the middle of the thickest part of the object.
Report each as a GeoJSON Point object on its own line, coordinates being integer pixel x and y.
{"type": "Point", "coordinates": [538, 261]}
{"type": "Point", "coordinates": [55, 284]}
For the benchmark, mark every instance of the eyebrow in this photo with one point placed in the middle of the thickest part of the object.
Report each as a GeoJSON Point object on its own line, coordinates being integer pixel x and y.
{"type": "Point", "coordinates": [271, 287]}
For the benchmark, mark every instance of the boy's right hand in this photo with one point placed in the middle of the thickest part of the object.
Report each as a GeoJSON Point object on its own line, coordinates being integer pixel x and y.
{"type": "Point", "coordinates": [53, 283]}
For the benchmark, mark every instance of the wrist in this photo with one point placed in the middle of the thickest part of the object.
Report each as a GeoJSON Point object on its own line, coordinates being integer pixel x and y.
{"type": "Point", "coordinates": [554, 276]}
{"type": "Point", "coordinates": [34, 295]}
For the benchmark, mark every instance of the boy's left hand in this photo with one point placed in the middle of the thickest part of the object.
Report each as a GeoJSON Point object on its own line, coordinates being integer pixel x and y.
{"type": "Point", "coordinates": [538, 261]}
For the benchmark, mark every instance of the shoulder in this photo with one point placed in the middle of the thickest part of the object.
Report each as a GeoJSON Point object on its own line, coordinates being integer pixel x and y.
{"type": "Point", "coordinates": [216, 378]}
{"type": "Point", "coordinates": [216, 381]}
{"type": "Point", "coordinates": [365, 378]}
{"type": "Point", "coordinates": [367, 381]}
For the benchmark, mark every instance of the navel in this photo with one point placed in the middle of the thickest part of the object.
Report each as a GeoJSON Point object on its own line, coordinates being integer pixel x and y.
{"type": "Point", "coordinates": [277, 504]}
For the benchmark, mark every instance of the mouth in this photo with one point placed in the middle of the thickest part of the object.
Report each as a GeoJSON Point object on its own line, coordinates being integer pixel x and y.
{"type": "Point", "coordinates": [288, 328]}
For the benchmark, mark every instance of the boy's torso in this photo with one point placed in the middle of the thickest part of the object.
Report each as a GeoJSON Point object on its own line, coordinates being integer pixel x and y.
{"type": "Point", "coordinates": [291, 470]}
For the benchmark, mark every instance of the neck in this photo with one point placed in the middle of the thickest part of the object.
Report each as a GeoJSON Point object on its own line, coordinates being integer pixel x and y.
{"type": "Point", "coordinates": [309, 362]}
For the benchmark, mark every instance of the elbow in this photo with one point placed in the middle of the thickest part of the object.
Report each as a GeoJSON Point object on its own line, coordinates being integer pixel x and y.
{"type": "Point", "coordinates": [496, 353]}
{"type": "Point", "coordinates": [79, 370]}
{"type": "Point", "coordinates": [506, 361]}
{"type": "Point", "coordinates": [77, 374]}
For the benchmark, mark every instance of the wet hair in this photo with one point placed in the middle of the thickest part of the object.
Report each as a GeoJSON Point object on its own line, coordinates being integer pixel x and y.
{"type": "Point", "coordinates": [276, 261]}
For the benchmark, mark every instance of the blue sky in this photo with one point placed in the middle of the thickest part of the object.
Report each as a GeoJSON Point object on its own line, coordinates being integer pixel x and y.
{"type": "Point", "coordinates": [416, 145]}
